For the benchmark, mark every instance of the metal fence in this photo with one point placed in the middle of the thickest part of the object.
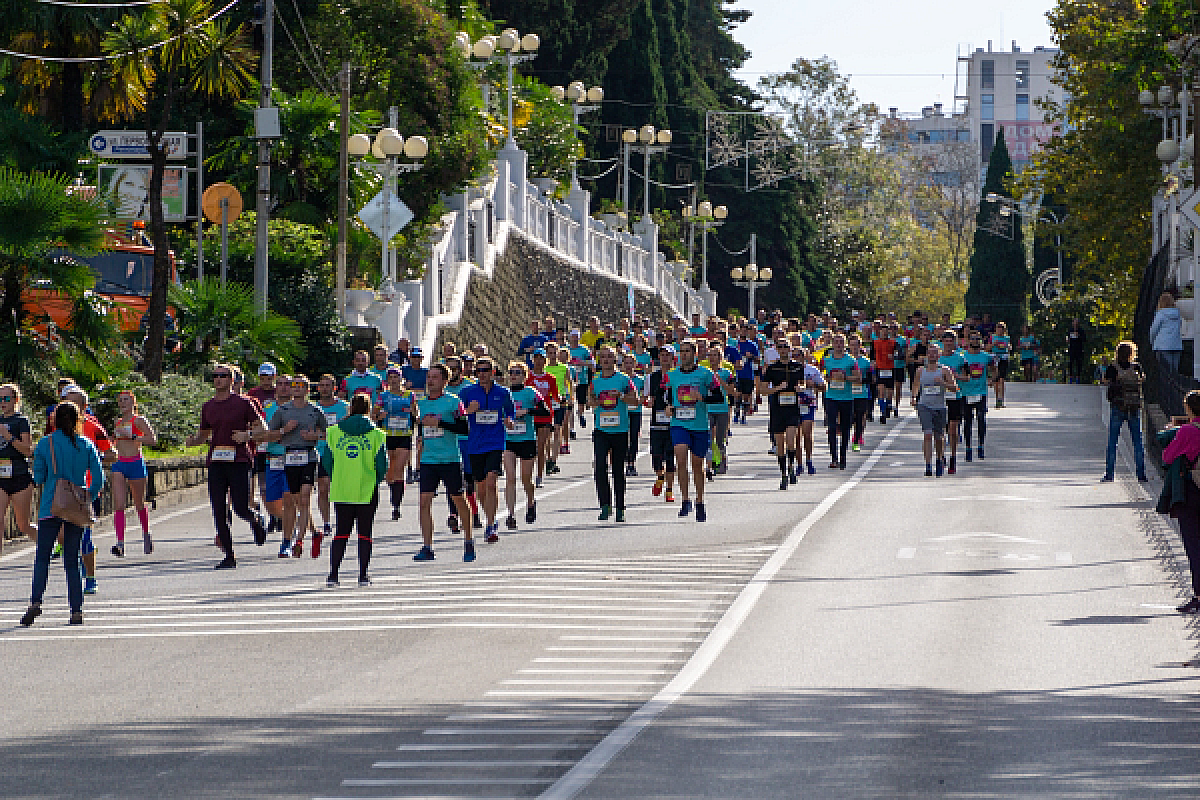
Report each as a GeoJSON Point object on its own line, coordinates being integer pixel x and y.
{"type": "Point", "coordinates": [1164, 386]}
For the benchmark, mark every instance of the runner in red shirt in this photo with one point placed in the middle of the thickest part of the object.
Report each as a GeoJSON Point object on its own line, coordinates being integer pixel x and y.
{"type": "Point", "coordinates": [884, 351]}
{"type": "Point", "coordinates": [547, 386]}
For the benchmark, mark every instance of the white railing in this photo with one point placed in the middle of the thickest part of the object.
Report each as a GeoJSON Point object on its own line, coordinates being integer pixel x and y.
{"type": "Point", "coordinates": [475, 234]}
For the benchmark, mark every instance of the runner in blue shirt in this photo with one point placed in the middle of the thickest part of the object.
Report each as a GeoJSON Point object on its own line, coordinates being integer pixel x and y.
{"type": "Point", "coordinates": [745, 360]}
{"type": "Point", "coordinates": [534, 341]}
{"type": "Point", "coordinates": [630, 366]}
{"type": "Point", "coordinates": [490, 412]}
{"type": "Point", "coordinates": [691, 390]}
{"type": "Point", "coordinates": [952, 358]}
{"type": "Point", "coordinates": [394, 414]}
{"type": "Point", "coordinates": [335, 411]}
{"type": "Point", "coordinates": [362, 379]}
{"type": "Point", "coordinates": [974, 390]}
{"type": "Point", "coordinates": [414, 373]}
{"type": "Point", "coordinates": [443, 420]}
{"type": "Point", "coordinates": [521, 442]}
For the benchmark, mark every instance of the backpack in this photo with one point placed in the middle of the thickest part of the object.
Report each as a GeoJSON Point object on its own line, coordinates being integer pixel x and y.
{"type": "Point", "coordinates": [1126, 393]}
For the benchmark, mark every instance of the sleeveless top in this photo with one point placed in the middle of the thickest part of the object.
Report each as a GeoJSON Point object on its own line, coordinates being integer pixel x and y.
{"type": "Point", "coordinates": [933, 393]}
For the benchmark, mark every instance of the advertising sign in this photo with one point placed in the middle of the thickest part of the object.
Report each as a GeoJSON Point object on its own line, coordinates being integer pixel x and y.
{"type": "Point", "coordinates": [1025, 137]}
{"type": "Point", "coordinates": [126, 191]}
{"type": "Point", "coordinates": [132, 144]}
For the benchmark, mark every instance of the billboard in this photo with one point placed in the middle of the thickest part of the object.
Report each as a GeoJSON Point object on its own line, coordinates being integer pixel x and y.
{"type": "Point", "coordinates": [125, 189]}
{"type": "Point", "coordinates": [1025, 137]}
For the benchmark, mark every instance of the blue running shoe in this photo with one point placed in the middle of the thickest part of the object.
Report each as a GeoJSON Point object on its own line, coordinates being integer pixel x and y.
{"type": "Point", "coordinates": [469, 550]}
{"type": "Point", "coordinates": [285, 548]}
{"type": "Point", "coordinates": [980, 454]}
{"type": "Point", "coordinates": [685, 508]}
{"type": "Point", "coordinates": [968, 455]}
{"type": "Point", "coordinates": [424, 554]}
{"type": "Point", "coordinates": [701, 514]}
{"type": "Point", "coordinates": [89, 586]}
{"type": "Point", "coordinates": [938, 469]}
{"type": "Point", "coordinates": [811, 469]}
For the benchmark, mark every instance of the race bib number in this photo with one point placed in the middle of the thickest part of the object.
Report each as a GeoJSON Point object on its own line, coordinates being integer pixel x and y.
{"type": "Point", "coordinates": [6, 468]}
{"type": "Point", "coordinates": [125, 432]}
{"type": "Point", "coordinates": [685, 413]}
{"type": "Point", "coordinates": [418, 394]}
{"type": "Point", "coordinates": [224, 454]}
{"type": "Point", "coordinates": [662, 417]}
{"type": "Point", "coordinates": [787, 398]}
{"type": "Point", "coordinates": [296, 458]}
{"type": "Point", "coordinates": [487, 417]}
{"type": "Point", "coordinates": [837, 385]}
{"type": "Point", "coordinates": [331, 418]}
{"type": "Point", "coordinates": [520, 426]}
{"type": "Point", "coordinates": [857, 388]}
{"type": "Point", "coordinates": [976, 370]}
{"type": "Point", "coordinates": [974, 398]}
{"type": "Point", "coordinates": [400, 423]}
{"type": "Point", "coordinates": [275, 463]}
{"type": "Point", "coordinates": [933, 391]}
{"type": "Point", "coordinates": [432, 432]}
{"type": "Point", "coordinates": [951, 395]}
{"type": "Point", "coordinates": [885, 373]}
{"type": "Point", "coordinates": [612, 419]}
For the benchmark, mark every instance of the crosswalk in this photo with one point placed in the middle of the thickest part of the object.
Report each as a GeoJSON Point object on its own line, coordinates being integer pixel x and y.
{"type": "Point", "coordinates": [632, 624]}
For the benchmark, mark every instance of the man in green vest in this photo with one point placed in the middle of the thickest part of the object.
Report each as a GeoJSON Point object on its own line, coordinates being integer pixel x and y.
{"type": "Point", "coordinates": [356, 462]}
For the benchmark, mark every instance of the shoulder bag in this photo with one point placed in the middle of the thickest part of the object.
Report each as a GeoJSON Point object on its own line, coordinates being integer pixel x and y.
{"type": "Point", "coordinates": [70, 501]}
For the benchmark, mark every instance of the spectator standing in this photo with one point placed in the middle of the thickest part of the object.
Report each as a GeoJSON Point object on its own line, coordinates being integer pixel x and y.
{"type": "Point", "coordinates": [1076, 347]}
{"type": "Point", "coordinates": [1166, 333]}
{"type": "Point", "coordinates": [1124, 379]}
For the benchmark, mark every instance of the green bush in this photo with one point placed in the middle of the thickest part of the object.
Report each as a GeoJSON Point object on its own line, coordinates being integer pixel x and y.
{"type": "Point", "coordinates": [172, 407]}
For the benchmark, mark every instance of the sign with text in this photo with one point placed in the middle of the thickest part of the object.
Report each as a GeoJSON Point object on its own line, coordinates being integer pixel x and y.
{"type": "Point", "coordinates": [126, 191]}
{"type": "Point", "coordinates": [1024, 137]}
{"type": "Point", "coordinates": [132, 144]}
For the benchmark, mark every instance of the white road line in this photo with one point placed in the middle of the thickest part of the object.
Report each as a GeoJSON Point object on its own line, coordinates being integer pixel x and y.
{"type": "Point", "coordinates": [427, 748]}
{"type": "Point", "coordinates": [545, 660]}
{"type": "Point", "coordinates": [1062, 558]}
{"type": "Point", "coordinates": [633, 638]}
{"type": "Point", "coordinates": [614, 649]}
{"type": "Point", "coordinates": [467, 764]}
{"type": "Point", "coordinates": [531, 671]}
{"type": "Point", "coordinates": [581, 693]}
{"type": "Point", "coordinates": [568, 682]}
{"type": "Point", "coordinates": [382, 617]}
{"type": "Point", "coordinates": [340, 612]}
{"type": "Point", "coordinates": [517, 716]}
{"type": "Point", "coordinates": [508, 731]}
{"type": "Point", "coordinates": [591, 765]}
{"type": "Point", "coordinates": [444, 782]}
{"type": "Point", "coordinates": [906, 552]}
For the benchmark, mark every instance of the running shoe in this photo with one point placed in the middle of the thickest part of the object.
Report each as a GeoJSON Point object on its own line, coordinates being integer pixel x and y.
{"type": "Point", "coordinates": [670, 498]}
{"type": "Point", "coordinates": [708, 473]}
{"type": "Point", "coordinates": [811, 469]}
{"type": "Point", "coordinates": [938, 469]}
{"type": "Point", "coordinates": [929, 469]}
{"type": "Point", "coordinates": [511, 523]}
{"type": "Point", "coordinates": [468, 551]}
{"type": "Point", "coordinates": [1142, 478]}
{"type": "Point", "coordinates": [657, 488]}
{"type": "Point", "coordinates": [573, 436]}
{"type": "Point", "coordinates": [490, 535]}
{"type": "Point", "coordinates": [701, 514]}
{"type": "Point", "coordinates": [476, 522]}
{"type": "Point", "coordinates": [331, 583]}
{"type": "Point", "coordinates": [953, 468]}
{"type": "Point", "coordinates": [89, 586]}
{"type": "Point", "coordinates": [298, 548]}
{"type": "Point", "coordinates": [724, 468]}
{"type": "Point", "coordinates": [396, 513]}
{"type": "Point", "coordinates": [76, 618]}
{"type": "Point", "coordinates": [783, 483]}
{"type": "Point", "coordinates": [855, 447]}
{"type": "Point", "coordinates": [883, 419]}
{"type": "Point", "coordinates": [1190, 607]}
{"type": "Point", "coordinates": [842, 465]}
{"type": "Point", "coordinates": [424, 554]}
{"type": "Point", "coordinates": [627, 468]}
{"type": "Point", "coordinates": [537, 484]}
{"type": "Point", "coordinates": [685, 508]}
{"type": "Point", "coordinates": [1107, 479]}
{"type": "Point", "coordinates": [771, 451]}
{"type": "Point", "coordinates": [563, 450]}
{"type": "Point", "coordinates": [833, 464]}
{"type": "Point", "coordinates": [979, 452]}
{"type": "Point", "coordinates": [260, 533]}
{"type": "Point", "coordinates": [605, 513]}
{"type": "Point", "coordinates": [228, 563]}
{"type": "Point", "coordinates": [364, 582]}
{"type": "Point", "coordinates": [620, 515]}
{"type": "Point", "coordinates": [582, 420]}
{"type": "Point", "coordinates": [316, 548]}
{"type": "Point", "coordinates": [285, 548]}
{"type": "Point", "coordinates": [968, 455]}
{"type": "Point", "coordinates": [57, 551]}
{"type": "Point", "coordinates": [31, 613]}
{"type": "Point", "coordinates": [531, 514]}
{"type": "Point", "coordinates": [552, 468]}
{"type": "Point", "coordinates": [452, 522]}
{"type": "Point", "coordinates": [633, 471]}
{"type": "Point", "coordinates": [118, 550]}
{"type": "Point", "coordinates": [147, 543]}
{"type": "Point", "coordinates": [408, 475]}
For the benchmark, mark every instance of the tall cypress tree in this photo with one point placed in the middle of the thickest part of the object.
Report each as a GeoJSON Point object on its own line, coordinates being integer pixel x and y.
{"type": "Point", "coordinates": [999, 276]}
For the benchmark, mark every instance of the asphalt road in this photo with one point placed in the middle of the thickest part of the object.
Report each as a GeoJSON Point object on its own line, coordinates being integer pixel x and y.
{"type": "Point", "coordinates": [1005, 632]}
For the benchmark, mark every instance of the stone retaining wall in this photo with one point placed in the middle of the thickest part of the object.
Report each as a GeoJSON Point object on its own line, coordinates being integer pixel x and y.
{"type": "Point", "coordinates": [531, 283]}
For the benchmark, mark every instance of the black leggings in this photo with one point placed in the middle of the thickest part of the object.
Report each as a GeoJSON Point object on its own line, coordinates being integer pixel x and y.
{"type": "Point", "coordinates": [602, 445]}
{"type": "Point", "coordinates": [974, 410]}
{"type": "Point", "coordinates": [232, 478]}
{"type": "Point", "coordinates": [839, 416]}
{"type": "Point", "coordinates": [861, 406]}
{"type": "Point", "coordinates": [348, 516]}
{"type": "Point", "coordinates": [635, 433]}
{"type": "Point", "coordinates": [1075, 366]}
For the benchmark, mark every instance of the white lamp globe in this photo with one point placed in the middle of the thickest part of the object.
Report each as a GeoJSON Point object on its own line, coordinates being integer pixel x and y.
{"type": "Point", "coordinates": [375, 149]}
{"type": "Point", "coordinates": [558, 93]}
{"type": "Point", "coordinates": [530, 42]}
{"type": "Point", "coordinates": [687, 211]}
{"type": "Point", "coordinates": [1168, 151]}
{"type": "Point", "coordinates": [705, 209]}
{"type": "Point", "coordinates": [462, 43]}
{"type": "Point", "coordinates": [1146, 97]}
{"type": "Point", "coordinates": [629, 136]}
{"type": "Point", "coordinates": [509, 40]}
{"type": "Point", "coordinates": [646, 134]}
{"type": "Point", "coordinates": [484, 47]}
{"type": "Point", "coordinates": [720, 212]}
{"type": "Point", "coordinates": [416, 147]}
{"type": "Point", "coordinates": [595, 95]}
{"type": "Point", "coordinates": [664, 137]}
{"type": "Point", "coordinates": [390, 142]}
{"type": "Point", "coordinates": [751, 272]}
{"type": "Point", "coordinates": [765, 273]}
{"type": "Point", "coordinates": [358, 145]}
{"type": "Point", "coordinates": [736, 273]}
{"type": "Point", "coordinates": [576, 91]}
{"type": "Point", "coordinates": [1165, 95]}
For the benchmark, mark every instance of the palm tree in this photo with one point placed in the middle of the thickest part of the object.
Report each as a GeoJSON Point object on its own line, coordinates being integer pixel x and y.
{"type": "Point", "coordinates": [40, 220]}
{"type": "Point", "coordinates": [174, 51]}
{"type": "Point", "coordinates": [219, 322]}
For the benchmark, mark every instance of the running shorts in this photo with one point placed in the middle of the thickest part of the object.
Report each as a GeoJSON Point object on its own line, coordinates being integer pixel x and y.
{"type": "Point", "coordinates": [898, 375]}
{"type": "Point", "coordinates": [696, 441]}
{"type": "Point", "coordinates": [979, 406]}
{"type": "Point", "coordinates": [559, 415]}
{"type": "Point", "coordinates": [398, 443]}
{"type": "Point", "coordinates": [783, 418]}
{"type": "Point", "coordinates": [887, 383]}
{"type": "Point", "coordinates": [581, 390]}
{"type": "Point", "coordinates": [954, 409]}
{"type": "Point", "coordinates": [275, 485]}
{"type": "Point", "coordinates": [542, 424]}
{"type": "Point", "coordinates": [933, 420]}
{"type": "Point", "coordinates": [526, 450]}
{"type": "Point", "coordinates": [662, 450]}
{"type": "Point", "coordinates": [745, 385]}
{"type": "Point", "coordinates": [483, 463]}
{"type": "Point", "coordinates": [15, 485]}
{"type": "Point", "coordinates": [260, 463]}
{"type": "Point", "coordinates": [321, 473]}
{"type": "Point", "coordinates": [297, 477]}
{"type": "Point", "coordinates": [1002, 367]}
{"type": "Point", "coordinates": [134, 469]}
{"type": "Point", "coordinates": [448, 475]}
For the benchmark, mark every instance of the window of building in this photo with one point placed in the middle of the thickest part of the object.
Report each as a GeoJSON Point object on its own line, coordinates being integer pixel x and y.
{"type": "Point", "coordinates": [1022, 74]}
{"type": "Point", "coordinates": [987, 80]}
{"type": "Point", "coordinates": [987, 138]}
{"type": "Point", "coordinates": [1022, 106]}
{"type": "Point", "coordinates": [987, 106]}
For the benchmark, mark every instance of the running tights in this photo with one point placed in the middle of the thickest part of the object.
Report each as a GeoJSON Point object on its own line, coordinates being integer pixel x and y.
{"type": "Point", "coordinates": [635, 433]}
{"type": "Point", "coordinates": [861, 406]}
{"type": "Point", "coordinates": [974, 410]}
{"type": "Point", "coordinates": [396, 489]}
{"type": "Point", "coordinates": [616, 444]}
{"type": "Point", "coordinates": [232, 478]}
{"type": "Point", "coordinates": [349, 516]}
{"type": "Point", "coordinates": [839, 419]}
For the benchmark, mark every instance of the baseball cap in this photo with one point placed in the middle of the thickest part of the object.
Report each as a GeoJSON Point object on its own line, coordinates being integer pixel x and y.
{"type": "Point", "coordinates": [574, 332]}
{"type": "Point", "coordinates": [266, 368]}
{"type": "Point", "coordinates": [70, 389]}
{"type": "Point", "coordinates": [541, 351]}
{"type": "Point", "coordinates": [416, 352]}
{"type": "Point", "coordinates": [394, 371]}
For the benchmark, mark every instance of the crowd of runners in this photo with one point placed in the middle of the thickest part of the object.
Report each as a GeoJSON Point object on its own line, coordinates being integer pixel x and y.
{"type": "Point", "coordinates": [466, 423]}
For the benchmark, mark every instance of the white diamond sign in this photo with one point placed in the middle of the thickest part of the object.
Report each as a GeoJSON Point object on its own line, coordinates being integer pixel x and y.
{"type": "Point", "coordinates": [398, 216]}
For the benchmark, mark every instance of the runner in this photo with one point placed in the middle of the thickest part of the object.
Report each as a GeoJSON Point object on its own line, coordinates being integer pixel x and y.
{"type": "Point", "coordinates": [395, 412]}
{"type": "Point", "coordinates": [129, 473]}
{"type": "Point", "coordinates": [273, 478]}
{"type": "Point", "coordinates": [227, 422]}
{"type": "Point", "coordinates": [1001, 350]}
{"type": "Point", "coordinates": [840, 369]}
{"type": "Point", "coordinates": [265, 391]}
{"type": "Point", "coordinates": [16, 448]}
{"type": "Point", "coordinates": [547, 387]}
{"type": "Point", "coordinates": [610, 396]}
{"type": "Point", "coordinates": [718, 413]}
{"type": "Point", "coordinates": [414, 373]}
{"type": "Point", "coordinates": [691, 390]}
{"type": "Point", "coordinates": [556, 365]}
{"type": "Point", "coordinates": [533, 341]}
{"type": "Point", "coordinates": [884, 351]}
{"type": "Point", "coordinates": [521, 443]}
{"type": "Point", "coordinates": [630, 366]}
{"type": "Point", "coordinates": [361, 379]}
{"type": "Point", "coordinates": [355, 460]}
{"type": "Point", "coordinates": [780, 384]}
{"type": "Point", "coordinates": [581, 359]}
{"type": "Point", "coordinates": [490, 411]}
{"type": "Point", "coordinates": [63, 454]}
{"type": "Point", "coordinates": [1031, 348]}
{"type": "Point", "coordinates": [662, 451]}
{"type": "Point", "coordinates": [745, 357]}
{"type": "Point", "coordinates": [813, 382]}
{"type": "Point", "coordinates": [443, 420]}
{"type": "Point", "coordinates": [899, 366]}
{"type": "Point", "coordinates": [952, 358]}
{"type": "Point", "coordinates": [298, 426]}
{"type": "Point", "coordinates": [974, 391]}
{"type": "Point", "coordinates": [860, 389]}
{"type": "Point", "coordinates": [929, 389]}
{"type": "Point", "coordinates": [380, 363]}
{"type": "Point", "coordinates": [335, 411]}
{"type": "Point", "coordinates": [457, 383]}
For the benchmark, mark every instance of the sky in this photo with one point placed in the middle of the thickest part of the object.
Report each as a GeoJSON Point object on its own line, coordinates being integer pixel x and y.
{"type": "Point", "coordinates": [897, 53]}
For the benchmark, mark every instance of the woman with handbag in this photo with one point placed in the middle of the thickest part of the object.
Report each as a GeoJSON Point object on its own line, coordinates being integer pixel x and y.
{"type": "Point", "coordinates": [1186, 444]}
{"type": "Point", "coordinates": [61, 461]}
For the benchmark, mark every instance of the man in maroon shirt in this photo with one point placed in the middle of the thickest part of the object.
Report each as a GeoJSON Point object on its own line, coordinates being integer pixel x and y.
{"type": "Point", "coordinates": [227, 423]}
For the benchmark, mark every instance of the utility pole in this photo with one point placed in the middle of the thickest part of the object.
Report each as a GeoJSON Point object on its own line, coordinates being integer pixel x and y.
{"type": "Point", "coordinates": [343, 192]}
{"type": "Point", "coordinates": [754, 263]}
{"type": "Point", "coordinates": [263, 200]}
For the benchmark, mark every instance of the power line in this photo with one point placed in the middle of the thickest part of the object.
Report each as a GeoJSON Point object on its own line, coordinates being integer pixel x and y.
{"type": "Point", "coordinates": [300, 54]}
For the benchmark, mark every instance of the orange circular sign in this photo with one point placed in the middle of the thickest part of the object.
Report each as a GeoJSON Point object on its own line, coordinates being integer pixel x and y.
{"type": "Point", "coordinates": [211, 202]}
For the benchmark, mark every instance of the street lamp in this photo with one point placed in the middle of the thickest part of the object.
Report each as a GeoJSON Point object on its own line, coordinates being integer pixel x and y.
{"type": "Point", "coordinates": [509, 48]}
{"type": "Point", "coordinates": [583, 101]}
{"type": "Point", "coordinates": [387, 146]}
{"type": "Point", "coordinates": [708, 218]}
{"type": "Point", "coordinates": [750, 277]}
{"type": "Point", "coordinates": [649, 141]}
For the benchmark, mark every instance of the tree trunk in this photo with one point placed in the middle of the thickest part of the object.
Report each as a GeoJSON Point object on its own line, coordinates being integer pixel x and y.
{"type": "Point", "coordinates": [155, 333]}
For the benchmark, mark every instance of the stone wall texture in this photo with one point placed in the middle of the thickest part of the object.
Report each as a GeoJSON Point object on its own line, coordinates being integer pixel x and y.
{"type": "Point", "coordinates": [530, 283]}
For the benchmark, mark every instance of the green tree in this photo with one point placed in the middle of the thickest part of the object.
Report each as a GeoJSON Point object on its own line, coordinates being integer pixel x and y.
{"type": "Point", "coordinates": [999, 283]}
{"type": "Point", "coordinates": [221, 322]}
{"type": "Point", "coordinates": [173, 51]}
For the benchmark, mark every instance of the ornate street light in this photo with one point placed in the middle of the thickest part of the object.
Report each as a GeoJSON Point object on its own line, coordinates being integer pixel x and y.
{"type": "Point", "coordinates": [583, 101]}
{"type": "Point", "coordinates": [509, 48]}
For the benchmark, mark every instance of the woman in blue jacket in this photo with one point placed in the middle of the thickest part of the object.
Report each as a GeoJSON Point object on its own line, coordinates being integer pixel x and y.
{"type": "Point", "coordinates": [76, 459]}
{"type": "Point", "coordinates": [1166, 332]}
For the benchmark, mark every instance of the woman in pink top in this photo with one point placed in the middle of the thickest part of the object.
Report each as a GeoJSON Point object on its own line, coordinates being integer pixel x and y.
{"type": "Point", "coordinates": [129, 473]}
{"type": "Point", "coordinates": [1187, 444]}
